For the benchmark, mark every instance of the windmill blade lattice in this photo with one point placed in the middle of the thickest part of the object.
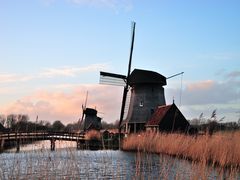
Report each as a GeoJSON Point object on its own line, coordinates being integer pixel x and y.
{"type": "Point", "coordinates": [112, 79]}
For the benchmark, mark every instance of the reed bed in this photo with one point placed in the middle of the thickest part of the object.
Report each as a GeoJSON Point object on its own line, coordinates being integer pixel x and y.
{"type": "Point", "coordinates": [221, 149]}
{"type": "Point", "coordinates": [93, 135]}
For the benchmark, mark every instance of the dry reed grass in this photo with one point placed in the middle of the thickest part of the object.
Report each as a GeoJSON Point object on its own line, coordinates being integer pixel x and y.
{"type": "Point", "coordinates": [222, 149]}
{"type": "Point", "coordinates": [93, 135]}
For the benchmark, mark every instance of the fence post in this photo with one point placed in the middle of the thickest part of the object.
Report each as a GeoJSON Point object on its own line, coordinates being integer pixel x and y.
{"type": "Point", "coordinates": [52, 144]}
{"type": "Point", "coordinates": [1, 145]}
{"type": "Point", "coordinates": [18, 144]}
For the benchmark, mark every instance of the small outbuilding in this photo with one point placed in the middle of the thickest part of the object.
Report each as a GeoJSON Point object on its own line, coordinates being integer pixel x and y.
{"type": "Point", "coordinates": [167, 118]}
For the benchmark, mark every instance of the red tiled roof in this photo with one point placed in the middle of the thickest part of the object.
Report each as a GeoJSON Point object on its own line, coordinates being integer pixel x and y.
{"type": "Point", "coordinates": [158, 115]}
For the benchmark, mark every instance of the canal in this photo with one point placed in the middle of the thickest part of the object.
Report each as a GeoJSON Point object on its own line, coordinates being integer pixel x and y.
{"type": "Point", "coordinates": [36, 161]}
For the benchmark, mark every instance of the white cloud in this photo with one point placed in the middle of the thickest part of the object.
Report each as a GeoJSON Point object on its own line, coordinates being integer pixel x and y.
{"type": "Point", "coordinates": [71, 71]}
{"type": "Point", "coordinates": [8, 78]}
{"type": "Point", "coordinates": [66, 71]}
{"type": "Point", "coordinates": [6, 90]}
{"type": "Point", "coordinates": [116, 5]}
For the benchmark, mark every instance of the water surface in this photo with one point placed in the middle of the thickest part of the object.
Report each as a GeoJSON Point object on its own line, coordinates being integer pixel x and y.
{"type": "Point", "coordinates": [36, 161]}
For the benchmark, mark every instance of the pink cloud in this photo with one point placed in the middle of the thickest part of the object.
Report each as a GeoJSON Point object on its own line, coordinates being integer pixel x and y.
{"type": "Point", "coordinates": [202, 85]}
{"type": "Point", "coordinates": [67, 106]}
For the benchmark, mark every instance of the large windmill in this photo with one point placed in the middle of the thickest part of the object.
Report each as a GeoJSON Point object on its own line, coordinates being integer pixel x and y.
{"type": "Point", "coordinates": [147, 93]}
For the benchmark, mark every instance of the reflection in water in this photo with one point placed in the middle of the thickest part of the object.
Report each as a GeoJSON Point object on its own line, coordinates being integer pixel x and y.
{"type": "Point", "coordinates": [38, 162]}
{"type": "Point", "coordinates": [44, 145]}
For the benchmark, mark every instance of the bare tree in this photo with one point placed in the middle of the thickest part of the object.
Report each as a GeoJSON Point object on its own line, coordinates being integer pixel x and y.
{"type": "Point", "coordinates": [11, 120]}
{"type": "Point", "coordinates": [2, 119]}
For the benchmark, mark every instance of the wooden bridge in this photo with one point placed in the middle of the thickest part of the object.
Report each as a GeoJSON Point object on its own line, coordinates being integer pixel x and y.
{"type": "Point", "coordinates": [19, 137]}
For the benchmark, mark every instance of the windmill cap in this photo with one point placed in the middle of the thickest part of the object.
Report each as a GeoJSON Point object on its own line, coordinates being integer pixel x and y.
{"type": "Point", "coordinates": [90, 111]}
{"type": "Point", "coordinates": [139, 76]}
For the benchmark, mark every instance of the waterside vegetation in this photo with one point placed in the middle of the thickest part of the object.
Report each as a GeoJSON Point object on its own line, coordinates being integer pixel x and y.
{"type": "Point", "coordinates": [220, 149]}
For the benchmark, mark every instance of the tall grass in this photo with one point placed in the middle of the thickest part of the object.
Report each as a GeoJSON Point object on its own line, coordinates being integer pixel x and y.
{"type": "Point", "coordinates": [93, 135]}
{"type": "Point", "coordinates": [222, 149]}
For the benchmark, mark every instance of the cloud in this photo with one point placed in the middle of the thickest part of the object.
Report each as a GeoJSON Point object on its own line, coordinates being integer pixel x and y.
{"type": "Point", "coordinates": [67, 106]}
{"type": "Point", "coordinates": [66, 71]}
{"type": "Point", "coordinates": [71, 71]}
{"type": "Point", "coordinates": [208, 92]}
{"type": "Point", "coordinates": [8, 78]}
{"type": "Point", "coordinates": [6, 90]}
{"type": "Point", "coordinates": [64, 101]}
{"type": "Point", "coordinates": [205, 96]}
{"type": "Point", "coordinates": [204, 85]}
{"type": "Point", "coordinates": [116, 5]}
{"type": "Point", "coordinates": [233, 75]}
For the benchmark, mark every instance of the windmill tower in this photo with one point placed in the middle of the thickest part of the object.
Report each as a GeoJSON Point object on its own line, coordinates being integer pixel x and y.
{"type": "Point", "coordinates": [90, 118]}
{"type": "Point", "coordinates": [147, 93]}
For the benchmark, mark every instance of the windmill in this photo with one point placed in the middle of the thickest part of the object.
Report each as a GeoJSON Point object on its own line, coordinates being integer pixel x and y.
{"type": "Point", "coordinates": [147, 93]}
{"type": "Point", "coordinates": [89, 117]}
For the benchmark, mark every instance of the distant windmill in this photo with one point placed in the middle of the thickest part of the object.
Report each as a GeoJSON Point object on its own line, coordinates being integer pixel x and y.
{"type": "Point", "coordinates": [89, 117]}
{"type": "Point", "coordinates": [147, 93]}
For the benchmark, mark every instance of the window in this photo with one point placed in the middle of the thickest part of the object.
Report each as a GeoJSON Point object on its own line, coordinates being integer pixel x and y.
{"type": "Point", "coordinates": [152, 111]}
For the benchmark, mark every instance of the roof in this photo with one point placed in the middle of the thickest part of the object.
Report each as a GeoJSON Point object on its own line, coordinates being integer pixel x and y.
{"type": "Point", "coordinates": [158, 115]}
{"type": "Point", "coordinates": [139, 76]}
{"type": "Point", "coordinates": [90, 111]}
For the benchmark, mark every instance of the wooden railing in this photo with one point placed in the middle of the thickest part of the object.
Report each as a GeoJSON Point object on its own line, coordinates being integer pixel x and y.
{"type": "Point", "coordinates": [41, 136]}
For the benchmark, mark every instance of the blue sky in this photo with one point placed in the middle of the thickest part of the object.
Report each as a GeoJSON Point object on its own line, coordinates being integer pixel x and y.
{"type": "Point", "coordinates": [51, 52]}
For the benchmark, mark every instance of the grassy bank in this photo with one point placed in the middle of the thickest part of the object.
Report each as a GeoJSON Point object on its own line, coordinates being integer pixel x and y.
{"type": "Point", "coordinates": [222, 149]}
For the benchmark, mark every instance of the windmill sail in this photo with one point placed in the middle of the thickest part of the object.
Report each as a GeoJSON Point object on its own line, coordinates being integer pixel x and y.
{"type": "Point", "coordinates": [112, 79]}
{"type": "Point", "coordinates": [120, 80]}
{"type": "Point", "coordinates": [131, 50]}
{"type": "Point", "coordinates": [80, 120]}
{"type": "Point", "coordinates": [129, 71]}
{"type": "Point", "coordinates": [127, 105]}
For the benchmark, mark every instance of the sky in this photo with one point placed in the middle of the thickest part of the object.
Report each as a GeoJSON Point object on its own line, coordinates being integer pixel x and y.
{"type": "Point", "coordinates": [51, 52]}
